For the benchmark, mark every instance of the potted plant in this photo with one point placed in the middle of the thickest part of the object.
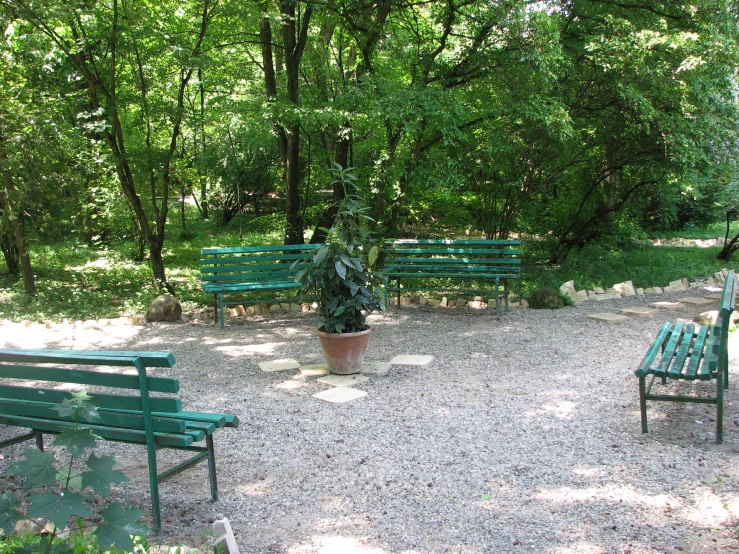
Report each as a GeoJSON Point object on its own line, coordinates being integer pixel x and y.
{"type": "Point", "coordinates": [343, 280]}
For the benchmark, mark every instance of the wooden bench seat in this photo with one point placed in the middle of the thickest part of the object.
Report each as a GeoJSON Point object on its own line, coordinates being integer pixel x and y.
{"type": "Point", "coordinates": [251, 269]}
{"type": "Point", "coordinates": [139, 418]}
{"type": "Point", "coordinates": [440, 265]}
{"type": "Point", "coordinates": [690, 353]}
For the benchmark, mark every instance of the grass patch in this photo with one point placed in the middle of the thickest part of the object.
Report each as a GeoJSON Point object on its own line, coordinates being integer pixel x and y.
{"type": "Point", "coordinates": [81, 282]}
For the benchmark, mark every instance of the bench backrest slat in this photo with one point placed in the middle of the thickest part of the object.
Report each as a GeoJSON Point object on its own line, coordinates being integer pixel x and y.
{"type": "Point", "coordinates": [84, 377]}
{"type": "Point", "coordinates": [102, 357]}
{"type": "Point", "coordinates": [101, 400]}
{"type": "Point", "coordinates": [112, 419]}
{"type": "Point", "coordinates": [257, 249]}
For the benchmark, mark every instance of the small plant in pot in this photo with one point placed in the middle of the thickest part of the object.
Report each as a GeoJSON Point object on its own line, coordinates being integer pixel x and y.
{"type": "Point", "coordinates": [342, 278]}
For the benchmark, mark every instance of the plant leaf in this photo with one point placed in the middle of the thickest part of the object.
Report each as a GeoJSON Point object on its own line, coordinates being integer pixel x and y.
{"type": "Point", "coordinates": [374, 253]}
{"type": "Point", "coordinates": [9, 516]}
{"type": "Point", "coordinates": [340, 269]}
{"type": "Point", "coordinates": [101, 474]}
{"type": "Point", "coordinates": [59, 508]}
{"type": "Point", "coordinates": [38, 468]}
{"type": "Point", "coordinates": [118, 526]}
{"type": "Point", "coordinates": [320, 255]}
{"type": "Point", "coordinates": [76, 441]}
{"type": "Point", "coordinates": [78, 406]}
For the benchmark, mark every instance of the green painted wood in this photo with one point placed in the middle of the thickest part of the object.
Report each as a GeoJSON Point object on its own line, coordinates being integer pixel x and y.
{"type": "Point", "coordinates": [502, 242]}
{"type": "Point", "coordinates": [676, 368]}
{"type": "Point", "coordinates": [100, 357]}
{"type": "Point", "coordinates": [670, 348]}
{"type": "Point", "coordinates": [249, 287]}
{"type": "Point", "coordinates": [697, 354]}
{"type": "Point", "coordinates": [648, 359]}
{"type": "Point", "coordinates": [85, 377]}
{"type": "Point", "coordinates": [240, 260]}
{"type": "Point", "coordinates": [454, 251]}
{"type": "Point", "coordinates": [459, 261]}
{"type": "Point", "coordinates": [710, 359]}
{"type": "Point", "coordinates": [107, 419]}
{"type": "Point", "coordinates": [205, 428]}
{"type": "Point", "coordinates": [108, 433]}
{"type": "Point", "coordinates": [255, 268]}
{"type": "Point", "coordinates": [269, 248]}
{"type": "Point", "coordinates": [219, 420]}
{"type": "Point", "coordinates": [101, 400]}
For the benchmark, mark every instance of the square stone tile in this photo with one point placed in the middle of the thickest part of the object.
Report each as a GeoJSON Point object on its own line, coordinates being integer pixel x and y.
{"type": "Point", "coordinates": [411, 360]}
{"type": "Point", "coordinates": [608, 318]}
{"type": "Point", "coordinates": [667, 305]}
{"type": "Point", "coordinates": [279, 365]}
{"type": "Point", "coordinates": [340, 395]}
{"type": "Point", "coordinates": [342, 380]}
{"type": "Point", "coordinates": [696, 301]}
{"type": "Point", "coordinates": [639, 311]}
{"type": "Point", "coordinates": [314, 370]}
{"type": "Point", "coordinates": [714, 296]}
{"type": "Point", "coordinates": [375, 368]}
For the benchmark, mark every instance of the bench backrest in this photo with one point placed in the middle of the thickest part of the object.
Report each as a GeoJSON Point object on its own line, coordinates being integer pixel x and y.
{"type": "Point", "coordinates": [254, 263]}
{"type": "Point", "coordinates": [723, 321]}
{"type": "Point", "coordinates": [21, 396]}
{"type": "Point", "coordinates": [439, 258]}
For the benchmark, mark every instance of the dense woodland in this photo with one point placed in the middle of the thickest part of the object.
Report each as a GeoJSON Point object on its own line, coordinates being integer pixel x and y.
{"type": "Point", "coordinates": [564, 120]}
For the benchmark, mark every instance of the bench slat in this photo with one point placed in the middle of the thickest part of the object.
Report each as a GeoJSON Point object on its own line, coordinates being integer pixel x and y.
{"type": "Point", "coordinates": [289, 259]}
{"type": "Point", "coordinates": [646, 363]}
{"type": "Point", "coordinates": [697, 355]}
{"type": "Point", "coordinates": [101, 400]}
{"type": "Point", "coordinates": [710, 358]}
{"type": "Point", "coordinates": [83, 377]}
{"type": "Point", "coordinates": [502, 242]}
{"type": "Point", "coordinates": [264, 248]}
{"type": "Point", "coordinates": [676, 368]}
{"type": "Point", "coordinates": [669, 352]}
{"type": "Point", "coordinates": [455, 251]}
{"type": "Point", "coordinates": [105, 357]}
{"type": "Point", "coordinates": [109, 433]}
{"type": "Point", "coordinates": [107, 418]}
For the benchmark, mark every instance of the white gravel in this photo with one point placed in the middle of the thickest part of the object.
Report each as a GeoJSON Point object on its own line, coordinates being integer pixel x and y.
{"type": "Point", "coordinates": [522, 436]}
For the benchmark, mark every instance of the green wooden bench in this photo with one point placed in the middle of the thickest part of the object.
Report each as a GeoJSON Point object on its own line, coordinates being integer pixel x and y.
{"type": "Point", "coordinates": [692, 353]}
{"type": "Point", "coordinates": [139, 418]}
{"type": "Point", "coordinates": [481, 262]}
{"type": "Point", "coordinates": [251, 269]}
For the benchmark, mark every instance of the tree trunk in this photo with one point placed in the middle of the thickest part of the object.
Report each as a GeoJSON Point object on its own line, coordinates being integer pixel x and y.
{"type": "Point", "coordinates": [13, 215]}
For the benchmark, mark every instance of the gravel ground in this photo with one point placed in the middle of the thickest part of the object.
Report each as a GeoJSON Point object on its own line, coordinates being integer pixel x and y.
{"type": "Point", "coordinates": [522, 436]}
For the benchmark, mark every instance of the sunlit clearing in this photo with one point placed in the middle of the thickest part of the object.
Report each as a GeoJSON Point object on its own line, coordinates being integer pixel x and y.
{"type": "Point", "coordinates": [569, 495]}
{"type": "Point", "coordinates": [579, 548]}
{"type": "Point", "coordinates": [586, 471]}
{"type": "Point", "coordinates": [292, 384]}
{"type": "Point", "coordinates": [338, 545]}
{"type": "Point", "coordinates": [563, 409]}
{"type": "Point", "coordinates": [248, 349]}
{"type": "Point", "coordinates": [710, 509]}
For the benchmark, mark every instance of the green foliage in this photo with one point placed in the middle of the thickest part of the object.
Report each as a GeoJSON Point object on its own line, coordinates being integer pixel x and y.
{"type": "Point", "coordinates": [341, 277]}
{"type": "Point", "coordinates": [60, 492]}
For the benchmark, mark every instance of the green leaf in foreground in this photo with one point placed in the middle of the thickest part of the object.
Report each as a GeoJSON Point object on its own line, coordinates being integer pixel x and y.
{"type": "Point", "coordinates": [9, 516]}
{"type": "Point", "coordinates": [38, 468]}
{"type": "Point", "coordinates": [76, 441]}
{"type": "Point", "coordinates": [101, 474]}
{"type": "Point", "coordinates": [78, 407]}
{"type": "Point", "coordinates": [485, 497]}
{"type": "Point", "coordinates": [59, 508]}
{"type": "Point", "coordinates": [118, 526]}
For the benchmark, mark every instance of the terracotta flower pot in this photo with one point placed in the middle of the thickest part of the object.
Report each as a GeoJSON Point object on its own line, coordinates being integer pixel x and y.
{"type": "Point", "coordinates": [344, 351]}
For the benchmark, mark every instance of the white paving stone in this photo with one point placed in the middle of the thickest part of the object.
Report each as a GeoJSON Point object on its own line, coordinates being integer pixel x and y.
{"type": "Point", "coordinates": [667, 305]}
{"type": "Point", "coordinates": [375, 368]}
{"type": "Point", "coordinates": [411, 360]}
{"type": "Point", "coordinates": [608, 318]}
{"type": "Point", "coordinates": [714, 296]}
{"type": "Point", "coordinates": [694, 301]}
{"type": "Point", "coordinates": [314, 370]}
{"type": "Point", "coordinates": [340, 395]}
{"type": "Point", "coordinates": [639, 311]}
{"type": "Point", "coordinates": [342, 380]}
{"type": "Point", "coordinates": [279, 365]}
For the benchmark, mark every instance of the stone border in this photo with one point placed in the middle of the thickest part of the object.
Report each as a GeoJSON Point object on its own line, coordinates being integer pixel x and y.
{"type": "Point", "coordinates": [627, 288]}
{"type": "Point", "coordinates": [412, 299]}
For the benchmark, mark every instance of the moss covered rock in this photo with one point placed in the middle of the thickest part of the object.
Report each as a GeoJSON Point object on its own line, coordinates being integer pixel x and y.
{"type": "Point", "coordinates": [548, 298]}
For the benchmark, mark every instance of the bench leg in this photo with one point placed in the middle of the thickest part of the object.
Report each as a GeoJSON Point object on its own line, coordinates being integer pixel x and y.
{"type": "Point", "coordinates": [643, 403]}
{"type": "Point", "coordinates": [215, 308]}
{"type": "Point", "coordinates": [220, 297]}
{"type": "Point", "coordinates": [39, 440]}
{"type": "Point", "coordinates": [719, 408]}
{"type": "Point", "coordinates": [212, 468]}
